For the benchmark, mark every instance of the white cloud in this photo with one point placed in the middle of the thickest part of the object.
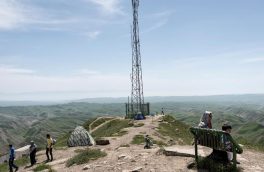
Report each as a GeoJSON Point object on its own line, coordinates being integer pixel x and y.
{"type": "Point", "coordinates": [92, 35]}
{"type": "Point", "coordinates": [160, 14]}
{"type": "Point", "coordinates": [108, 6]}
{"type": "Point", "coordinates": [10, 70]}
{"type": "Point", "coordinates": [157, 25]}
{"type": "Point", "coordinates": [253, 60]}
{"type": "Point", "coordinates": [17, 81]}
{"type": "Point", "coordinates": [26, 15]}
{"type": "Point", "coordinates": [12, 14]}
{"type": "Point", "coordinates": [159, 19]}
{"type": "Point", "coordinates": [87, 72]}
{"type": "Point", "coordinates": [27, 84]}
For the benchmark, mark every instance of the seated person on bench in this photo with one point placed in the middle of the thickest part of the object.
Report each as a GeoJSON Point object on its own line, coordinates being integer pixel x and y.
{"type": "Point", "coordinates": [227, 144]}
{"type": "Point", "coordinates": [206, 120]}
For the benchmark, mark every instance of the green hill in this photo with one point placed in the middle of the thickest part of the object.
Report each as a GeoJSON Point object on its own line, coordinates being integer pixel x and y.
{"type": "Point", "coordinates": [20, 124]}
{"type": "Point", "coordinates": [246, 119]}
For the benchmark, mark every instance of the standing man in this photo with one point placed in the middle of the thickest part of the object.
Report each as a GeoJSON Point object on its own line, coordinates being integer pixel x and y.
{"type": "Point", "coordinates": [162, 111]}
{"type": "Point", "coordinates": [32, 153]}
{"type": "Point", "coordinates": [49, 148]}
{"type": "Point", "coordinates": [12, 158]}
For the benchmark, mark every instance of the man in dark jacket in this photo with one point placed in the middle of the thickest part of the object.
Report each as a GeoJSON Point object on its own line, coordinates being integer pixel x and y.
{"type": "Point", "coordinates": [12, 158]}
{"type": "Point", "coordinates": [32, 153]}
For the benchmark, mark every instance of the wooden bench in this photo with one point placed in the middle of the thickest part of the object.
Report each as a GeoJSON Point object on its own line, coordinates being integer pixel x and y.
{"type": "Point", "coordinates": [213, 138]}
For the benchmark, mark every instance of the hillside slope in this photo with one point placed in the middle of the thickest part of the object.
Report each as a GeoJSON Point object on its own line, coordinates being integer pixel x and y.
{"type": "Point", "coordinates": [21, 124]}
{"type": "Point", "coordinates": [123, 156]}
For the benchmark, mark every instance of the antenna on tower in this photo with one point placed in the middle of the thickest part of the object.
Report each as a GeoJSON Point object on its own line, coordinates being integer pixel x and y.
{"type": "Point", "coordinates": [136, 108]}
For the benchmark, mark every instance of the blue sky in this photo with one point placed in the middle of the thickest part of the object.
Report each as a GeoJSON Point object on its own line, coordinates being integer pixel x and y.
{"type": "Point", "coordinates": [71, 49]}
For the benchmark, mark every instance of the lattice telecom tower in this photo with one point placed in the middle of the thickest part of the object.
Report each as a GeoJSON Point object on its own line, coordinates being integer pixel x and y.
{"type": "Point", "coordinates": [136, 108]}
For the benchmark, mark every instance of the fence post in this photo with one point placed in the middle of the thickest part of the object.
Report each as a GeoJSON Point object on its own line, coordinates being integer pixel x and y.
{"type": "Point", "coordinates": [196, 149]}
{"type": "Point", "coordinates": [234, 158]}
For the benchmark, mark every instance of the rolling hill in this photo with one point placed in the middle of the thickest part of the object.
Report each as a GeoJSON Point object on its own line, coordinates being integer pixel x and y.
{"type": "Point", "coordinates": [20, 124]}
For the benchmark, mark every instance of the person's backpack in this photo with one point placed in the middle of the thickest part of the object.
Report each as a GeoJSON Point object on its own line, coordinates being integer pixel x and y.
{"type": "Point", "coordinates": [53, 141]}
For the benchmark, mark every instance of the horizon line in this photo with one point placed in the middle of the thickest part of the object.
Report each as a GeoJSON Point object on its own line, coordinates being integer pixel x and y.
{"type": "Point", "coordinates": [80, 99]}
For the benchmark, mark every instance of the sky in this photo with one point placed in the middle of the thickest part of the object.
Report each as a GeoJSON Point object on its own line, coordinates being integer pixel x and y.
{"type": "Point", "coordinates": [74, 49]}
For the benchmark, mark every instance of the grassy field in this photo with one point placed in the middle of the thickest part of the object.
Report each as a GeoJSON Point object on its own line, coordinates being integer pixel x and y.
{"type": "Point", "coordinates": [87, 123]}
{"type": "Point", "coordinates": [42, 167]}
{"type": "Point", "coordinates": [62, 141]}
{"type": "Point", "coordinates": [19, 162]}
{"type": "Point", "coordinates": [21, 124]}
{"type": "Point", "coordinates": [99, 122]}
{"type": "Point", "coordinates": [175, 129]}
{"type": "Point", "coordinates": [247, 119]}
{"type": "Point", "coordinates": [113, 128]}
{"type": "Point", "coordinates": [138, 139]}
{"type": "Point", "coordinates": [85, 156]}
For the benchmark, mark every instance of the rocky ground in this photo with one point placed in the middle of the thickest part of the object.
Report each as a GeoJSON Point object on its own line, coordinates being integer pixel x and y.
{"type": "Point", "coordinates": [136, 158]}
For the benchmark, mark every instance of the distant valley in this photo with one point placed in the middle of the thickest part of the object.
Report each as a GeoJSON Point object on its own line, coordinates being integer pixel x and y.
{"type": "Point", "coordinates": [20, 124]}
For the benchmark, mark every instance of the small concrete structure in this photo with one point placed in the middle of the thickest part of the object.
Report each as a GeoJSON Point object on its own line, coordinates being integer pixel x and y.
{"type": "Point", "coordinates": [185, 151]}
{"type": "Point", "coordinates": [20, 152]}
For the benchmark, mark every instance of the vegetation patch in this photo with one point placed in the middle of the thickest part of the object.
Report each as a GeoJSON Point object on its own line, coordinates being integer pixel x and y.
{"type": "Point", "coordinates": [3, 167]}
{"type": "Point", "coordinates": [175, 129]}
{"type": "Point", "coordinates": [98, 122]}
{"type": "Point", "coordinates": [125, 145]}
{"type": "Point", "coordinates": [112, 128]}
{"type": "Point", "coordinates": [62, 141]}
{"type": "Point", "coordinates": [138, 139]}
{"type": "Point", "coordinates": [19, 162]}
{"type": "Point", "coordinates": [120, 133]}
{"type": "Point", "coordinates": [22, 161]}
{"type": "Point", "coordinates": [159, 142]}
{"type": "Point", "coordinates": [88, 122]}
{"type": "Point", "coordinates": [85, 156]}
{"type": "Point", "coordinates": [250, 145]}
{"type": "Point", "coordinates": [207, 164]}
{"type": "Point", "coordinates": [42, 167]}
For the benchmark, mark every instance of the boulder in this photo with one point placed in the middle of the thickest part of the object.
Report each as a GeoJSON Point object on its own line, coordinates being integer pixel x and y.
{"type": "Point", "coordinates": [122, 156]}
{"type": "Point", "coordinates": [86, 167]}
{"type": "Point", "coordinates": [102, 142]}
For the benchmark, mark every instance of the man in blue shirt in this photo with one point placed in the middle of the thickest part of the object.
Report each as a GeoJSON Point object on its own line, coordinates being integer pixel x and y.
{"type": "Point", "coordinates": [12, 158]}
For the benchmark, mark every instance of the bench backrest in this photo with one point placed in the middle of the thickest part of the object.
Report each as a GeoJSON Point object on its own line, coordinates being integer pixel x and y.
{"type": "Point", "coordinates": [214, 138]}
